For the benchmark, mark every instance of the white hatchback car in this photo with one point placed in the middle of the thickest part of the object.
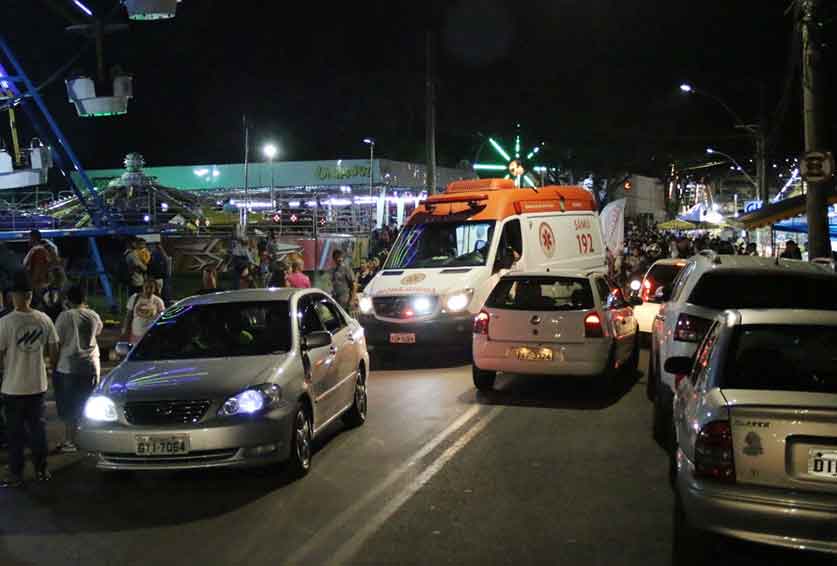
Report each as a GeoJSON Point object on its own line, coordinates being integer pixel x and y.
{"type": "Point", "coordinates": [553, 323]}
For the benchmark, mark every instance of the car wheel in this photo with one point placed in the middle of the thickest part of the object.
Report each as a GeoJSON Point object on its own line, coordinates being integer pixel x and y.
{"type": "Point", "coordinates": [690, 546]}
{"type": "Point", "coordinates": [663, 421]}
{"type": "Point", "coordinates": [651, 378]}
{"type": "Point", "coordinates": [484, 379]}
{"type": "Point", "coordinates": [299, 463]}
{"type": "Point", "coordinates": [356, 415]}
{"type": "Point", "coordinates": [633, 362]}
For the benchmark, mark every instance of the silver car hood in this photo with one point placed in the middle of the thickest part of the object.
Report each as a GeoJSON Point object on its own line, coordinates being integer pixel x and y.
{"type": "Point", "coordinates": [207, 378]}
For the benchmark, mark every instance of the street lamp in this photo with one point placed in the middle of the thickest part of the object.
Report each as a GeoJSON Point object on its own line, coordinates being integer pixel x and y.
{"type": "Point", "coordinates": [712, 151]}
{"type": "Point", "coordinates": [686, 87]}
{"type": "Point", "coordinates": [271, 151]}
{"type": "Point", "coordinates": [371, 143]}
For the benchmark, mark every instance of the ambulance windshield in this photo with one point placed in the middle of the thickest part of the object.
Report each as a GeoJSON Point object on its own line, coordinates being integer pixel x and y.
{"type": "Point", "coordinates": [442, 244]}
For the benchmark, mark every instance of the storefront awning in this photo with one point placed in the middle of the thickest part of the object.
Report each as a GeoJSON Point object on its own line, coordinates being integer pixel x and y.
{"type": "Point", "coordinates": [778, 211]}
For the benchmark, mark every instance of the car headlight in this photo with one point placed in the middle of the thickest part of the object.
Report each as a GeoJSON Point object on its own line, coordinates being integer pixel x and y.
{"type": "Point", "coordinates": [458, 301]}
{"type": "Point", "coordinates": [252, 400]}
{"type": "Point", "coordinates": [422, 305]}
{"type": "Point", "coordinates": [100, 408]}
{"type": "Point", "coordinates": [364, 303]}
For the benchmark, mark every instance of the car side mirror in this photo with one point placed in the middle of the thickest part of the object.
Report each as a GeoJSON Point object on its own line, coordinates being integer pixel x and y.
{"type": "Point", "coordinates": [122, 349]}
{"type": "Point", "coordinates": [634, 301]}
{"type": "Point", "coordinates": [680, 365]}
{"type": "Point", "coordinates": [316, 340]}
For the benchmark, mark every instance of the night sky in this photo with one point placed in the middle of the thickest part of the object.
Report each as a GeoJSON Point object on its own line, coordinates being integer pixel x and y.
{"type": "Point", "coordinates": [596, 80]}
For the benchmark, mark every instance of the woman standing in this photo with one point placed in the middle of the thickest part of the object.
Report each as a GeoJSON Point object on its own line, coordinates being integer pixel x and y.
{"type": "Point", "coordinates": [297, 278]}
{"type": "Point", "coordinates": [143, 308]}
{"type": "Point", "coordinates": [77, 372]}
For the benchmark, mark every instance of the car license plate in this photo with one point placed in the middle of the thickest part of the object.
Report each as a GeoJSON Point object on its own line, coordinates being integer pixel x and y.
{"type": "Point", "coordinates": [822, 463]}
{"type": "Point", "coordinates": [161, 445]}
{"type": "Point", "coordinates": [534, 354]}
{"type": "Point", "coordinates": [402, 338]}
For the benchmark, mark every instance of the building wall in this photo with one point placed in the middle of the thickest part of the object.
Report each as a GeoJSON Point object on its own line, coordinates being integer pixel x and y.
{"type": "Point", "coordinates": [647, 196]}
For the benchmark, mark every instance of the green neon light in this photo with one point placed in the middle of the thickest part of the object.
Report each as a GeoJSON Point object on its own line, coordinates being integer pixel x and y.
{"type": "Point", "coordinates": [517, 147]}
{"type": "Point", "coordinates": [499, 149]}
{"type": "Point", "coordinates": [527, 178]}
{"type": "Point", "coordinates": [508, 176]}
{"type": "Point", "coordinates": [487, 167]}
{"type": "Point", "coordinates": [533, 153]}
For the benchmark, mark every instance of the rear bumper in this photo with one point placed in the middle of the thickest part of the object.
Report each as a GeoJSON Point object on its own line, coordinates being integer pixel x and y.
{"type": "Point", "coordinates": [244, 442]}
{"type": "Point", "coordinates": [767, 516]}
{"type": "Point", "coordinates": [645, 314]}
{"type": "Point", "coordinates": [588, 358]}
{"type": "Point", "coordinates": [444, 331]}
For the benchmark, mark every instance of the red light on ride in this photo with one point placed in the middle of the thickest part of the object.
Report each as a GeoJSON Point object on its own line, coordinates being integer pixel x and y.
{"type": "Point", "coordinates": [713, 452]}
{"type": "Point", "coordinates": [593, 326]}
{"type": "Point", "coordinates": [481, 323]}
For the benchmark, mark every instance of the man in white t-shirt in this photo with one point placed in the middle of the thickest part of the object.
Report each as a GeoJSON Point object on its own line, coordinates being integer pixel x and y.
{"type": "Point", "coordinates": [25, 335]}
{"type": "Point", "coordinates": [142, 309]}
{"type": "Point", "coordinates": [78, 361]}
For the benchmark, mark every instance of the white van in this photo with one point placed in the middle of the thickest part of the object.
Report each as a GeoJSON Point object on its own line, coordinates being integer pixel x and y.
{"type": "Point", "coordinates": [456, 246]}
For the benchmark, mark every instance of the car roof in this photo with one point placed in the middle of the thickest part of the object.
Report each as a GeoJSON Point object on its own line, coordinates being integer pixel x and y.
{"type": "Point", "coordinates": [551, 273]}
{"type": "Point", "coordinates": [723, 262]}
{"type": "Point", "coordinates": [671, 261]}
{"type": "Point", "coordinates": [245, 295]}
{"type": "Point", "coordinates": [781, 316]}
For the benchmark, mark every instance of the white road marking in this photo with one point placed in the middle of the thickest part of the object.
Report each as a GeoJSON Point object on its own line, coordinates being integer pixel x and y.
{"type": "Point", "coordinates": [349, 548]}
{"type": "Point", "coordinates": [347, 516]}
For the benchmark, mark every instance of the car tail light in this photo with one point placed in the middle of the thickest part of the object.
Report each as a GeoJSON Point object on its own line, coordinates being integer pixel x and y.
{"type": "Point", "coordinates": [713, 452]}
{"type": "Point", "coordinates": [647, 289]}
{"type": "Point", "coordinates": [691, 328]}
{"type": "Point", "coordinates": [593, 326]}
{"type": "Point", "coordinates": [481, 322]}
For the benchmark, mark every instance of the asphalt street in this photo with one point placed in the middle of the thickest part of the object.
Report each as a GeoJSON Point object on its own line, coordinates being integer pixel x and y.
{"type": "Point", "coordinates": [540, 471]}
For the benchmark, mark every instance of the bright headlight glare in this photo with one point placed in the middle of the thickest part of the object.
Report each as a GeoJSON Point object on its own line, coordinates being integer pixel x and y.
{"type": "Point", "coordinates": [422, 305]}
{"type": "Point", "coordinates": [365, 304]}
{"type": "Point", "coordinates": [635, 285]}
{"type": "Point", "coordinates": [100, 408]}
{"type": "Point", "coordinates": [251, 400]}
{"type": "Point", "coordinates": [458, 301]}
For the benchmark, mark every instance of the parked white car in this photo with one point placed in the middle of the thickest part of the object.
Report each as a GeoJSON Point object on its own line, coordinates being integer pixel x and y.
{"type": "Point", "coordinates": [654, 290]}
{"type": "Point", "coordinates": [756, 423]}
{"type": "Point", "coordinates": [712, 283]}
{"type": "Point", "coordinates": [553, 323]}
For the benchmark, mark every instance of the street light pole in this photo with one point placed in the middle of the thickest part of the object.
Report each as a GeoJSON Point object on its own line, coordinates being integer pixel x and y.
{"type": "Point", "coordinates": [371, 143]}
{"type": "Point", "coordinates": [712, 151]}
{"type": "Point", "coordinates": [756, 133]}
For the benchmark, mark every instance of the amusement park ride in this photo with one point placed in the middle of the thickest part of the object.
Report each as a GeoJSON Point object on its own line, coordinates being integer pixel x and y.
{"type": "Point", "coordinates": [17, 91]}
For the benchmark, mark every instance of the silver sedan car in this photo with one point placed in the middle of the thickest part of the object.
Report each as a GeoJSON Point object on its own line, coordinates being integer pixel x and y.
{"type": "Point", "coordinates": [756, 423]}
{"type": "Point", "coordinates": [230, 379]}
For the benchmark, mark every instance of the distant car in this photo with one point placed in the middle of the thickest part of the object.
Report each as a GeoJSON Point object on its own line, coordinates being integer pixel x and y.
{"type": "Point", "coordinates": [756, 422]}
{"type": "Point", "coordinates": [230, 379]}
{"type": "Point", "coordinates": [553, 323]}
{"type": "Point", "coordinates": [711, 283]}
{"type": "Point", "coordinates": [655, 289]}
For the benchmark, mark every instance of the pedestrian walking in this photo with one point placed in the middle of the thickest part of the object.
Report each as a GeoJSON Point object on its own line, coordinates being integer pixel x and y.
{"type": "Point", "coordinates": [77, 372]}
{"type": "Point", "coordinates": [6, 307]}
{"type": "Point", "coordinates": [25, 335]}
{"type": "Point", "coordinates": [37, 261]}
{"type": "Point", "coordinates": [134, 266]}
{"type": "Point", "coordinates": [297, 278]}
{"type": "Point", "coordinates": [342, 280]}
{"type": "Point", "coordinates": [367, 272]}
{"type": "Point", "coordinates": [159, 269]}
{"type": "Point", "coordinates": [142, 310]}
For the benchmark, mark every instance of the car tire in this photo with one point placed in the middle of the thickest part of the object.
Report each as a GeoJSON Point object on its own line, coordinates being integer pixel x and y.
{"type": "Point", "coordinates": [691, 546]}
{"type": "Point", "coordinates": [299, 462]}
{"type": "Point", "coordinates": [356, 415]}
{"type": "Point", "coordinates": [663, 421]}
{"type": "Point", "coordinates": [651, 377]}
{"type": "Point", "coordinates": [632, 364]}
{"type": "Point", "coordinates": [483, 379]}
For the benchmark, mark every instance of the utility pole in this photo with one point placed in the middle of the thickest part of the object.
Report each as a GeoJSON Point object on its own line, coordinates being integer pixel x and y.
{"type": "Point", "coordinates": [430, 130]}
{"type": "Point", "coordinates": [819, 244]}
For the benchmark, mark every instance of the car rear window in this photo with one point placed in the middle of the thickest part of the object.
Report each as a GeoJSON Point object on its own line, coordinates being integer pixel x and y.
{"type": "Point", "coordinates": [783, 358]}
{"type": "Point", "coordinates": [757, 290]}
{"type": "Point", "coordinates": [542, 294]}
{"type": "Point", "coordinates": [664, 274]}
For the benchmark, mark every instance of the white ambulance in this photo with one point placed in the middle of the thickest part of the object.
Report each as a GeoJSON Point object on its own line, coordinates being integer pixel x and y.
{"type": "Point", "coordinates": [456, 246]}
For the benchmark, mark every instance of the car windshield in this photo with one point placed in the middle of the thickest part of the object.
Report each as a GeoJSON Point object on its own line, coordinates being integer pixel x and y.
{"type": "Point", "coordinates": [783, 358]}
{"type": "Point", "coordinates": [442, 244]}
{"type": "Point", "coordinates": [217, 330]}
{"type": "Point", "coordinates": [541, 294]}
{"type": "Point", "coordinates": [753, 290]}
